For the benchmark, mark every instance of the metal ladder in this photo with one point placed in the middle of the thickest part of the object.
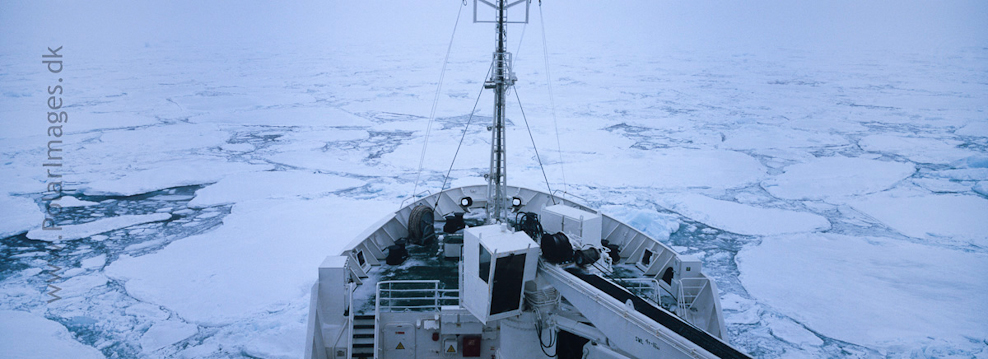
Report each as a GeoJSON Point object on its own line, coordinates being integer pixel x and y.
{"type": "Point", "coordinates": [363, 336]}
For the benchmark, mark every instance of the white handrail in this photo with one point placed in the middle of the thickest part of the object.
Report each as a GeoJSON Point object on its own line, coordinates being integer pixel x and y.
{"type": "Point", "coordinates": [350, 319]}
{"type": "Point", "coordinates": [681, 304]}
{"type": "Point", "coordinates": [377, 319]}
{"type": "Point", "coordinates": [638, 283]}
{"type": "Point", "coordinates": [429, 298]}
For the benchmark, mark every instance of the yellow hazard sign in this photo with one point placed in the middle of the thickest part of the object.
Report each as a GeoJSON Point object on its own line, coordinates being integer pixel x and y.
{"type": "Point", "coordinates": [400, 346]}
{"type": "Point", "coordinates": [451, 349]}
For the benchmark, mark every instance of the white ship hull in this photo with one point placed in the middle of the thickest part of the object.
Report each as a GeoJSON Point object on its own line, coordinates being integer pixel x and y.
{"type": "Point", "coordinates": [650, 303]}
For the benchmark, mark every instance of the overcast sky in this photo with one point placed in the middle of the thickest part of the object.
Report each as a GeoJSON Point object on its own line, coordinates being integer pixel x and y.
{"type": "Point", "coordinates": [851, 24]}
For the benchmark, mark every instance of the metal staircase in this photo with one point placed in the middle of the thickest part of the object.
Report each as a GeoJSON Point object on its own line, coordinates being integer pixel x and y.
{"type": "Point", "coordinates": [363, 336]}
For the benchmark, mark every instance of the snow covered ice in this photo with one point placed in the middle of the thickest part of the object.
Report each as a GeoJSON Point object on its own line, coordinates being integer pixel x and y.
{"type": "Point", "coordinates": [25, 335]}
{"type": "Point", "coordinates": [833, 179]}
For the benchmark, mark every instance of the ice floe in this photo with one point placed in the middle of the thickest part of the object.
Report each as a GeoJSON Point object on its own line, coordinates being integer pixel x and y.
{"type": "Point", "coordinates": [262, 256]}
{"type": "Point", "coordinates": [964, 174]}
{"type": "Point", "coordinates": [166, 175]}
{"type": "Point", "coordinates": [762, 137]}
{"type": "Point", "coordinates": [237, 147]}
{"type": "Point", "coordinates": [18, 215]}
{"type": "Point", "coordinates": [917, 149]}
{"type": "Point", "coordinates": [740, 218]}
{"type": "Point", "coordinates": [951, 217]}
{"type": "Point", "coordinates": [869, 290]}
{"type": "Point", "coordinates": [982, 188]}
{"type": "Point", "coordinates": [657, 225]}
{"type": "Point", "coordinates": [152, 143]}
{"type": "Point", "coordinates": [838, 176]}
{"type": "Point", "coordinates": [288, 117]}
{"type": "Point", "coordinates": [792, 332]}
{"type": "Point", "coordinates": [78, 231]}
{"type": "Point", "coordinates": [165, 333]}
{"type": "Point", "coordinates": [93, 262]}
{"type": "Point", "coordinates": [939, 185]}
{"type": "Point", "coordinates": [78, 285]}
{"type": "Point", "coordinates": [669, 168]}
{"type": "Point", "coordinates": [978, 161]}
{"type": "Point", "coordinates": [26, 335]}
{"type": "Point", "coordinates": [270, 185]}
{"type": "Point", "coordinates": [69, 201]}
{"type": "Point", "coordinates": [979, 128]}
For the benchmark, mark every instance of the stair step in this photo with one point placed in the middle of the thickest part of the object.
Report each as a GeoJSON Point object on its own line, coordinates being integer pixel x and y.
{"type": "Point", "coordinates": [363, 345]}
{"type": "Point", "coordinates": [363, 317]}
{"type": "Point", "coordinates": [363, 326]}
{"type": "Point", "coordinates": [359, 336]}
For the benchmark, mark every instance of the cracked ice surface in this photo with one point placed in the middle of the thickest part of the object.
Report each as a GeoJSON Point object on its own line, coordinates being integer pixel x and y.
{"type": "Point", "coordinates": [257, 261]}
{"type": "Point", "coordinates": [89, 229]}
{"type": "Point", "coordinates": [837, 199]}
{"type": "Point", "coordinates": [865, 280]}
{"type": "Point", "coordinates": [743, 219]}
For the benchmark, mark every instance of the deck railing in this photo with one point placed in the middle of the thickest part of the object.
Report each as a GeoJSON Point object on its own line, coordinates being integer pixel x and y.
{"type": "Point", "coordinates": [689, 290]}
{"type": "Point", "coordinates": [647, 288]}
{"type": "Point", "coordinates": [350, 318]}
{"type": "Point", "coordinates": [414, 295]}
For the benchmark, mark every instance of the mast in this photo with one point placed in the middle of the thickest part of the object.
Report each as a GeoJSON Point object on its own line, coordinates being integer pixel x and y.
{"type": "Point", "coordinates": [501, 79]}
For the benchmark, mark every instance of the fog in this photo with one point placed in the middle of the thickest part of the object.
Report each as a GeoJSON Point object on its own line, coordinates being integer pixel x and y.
{"type": "Point", "coordinates": [844, 25]}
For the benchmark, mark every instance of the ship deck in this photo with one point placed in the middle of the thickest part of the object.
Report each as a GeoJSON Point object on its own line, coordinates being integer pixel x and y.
{"type": "Point", "coordinates": [425, 262]}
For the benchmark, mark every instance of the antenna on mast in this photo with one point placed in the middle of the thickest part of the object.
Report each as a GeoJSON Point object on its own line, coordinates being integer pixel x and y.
{"type": "Point", "coordinates": [502, 78]}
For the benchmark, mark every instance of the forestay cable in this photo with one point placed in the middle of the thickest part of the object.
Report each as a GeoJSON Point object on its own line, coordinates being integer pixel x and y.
{"type": "Point", "coordinates": [520, 39]}
{"type": "Point", "coordinates": [552, 100]}
{"type": "Point", "coordinates": [551, 196]}
{"type": "Point", "coordinates": [467, 127]}
{"type": "Point", "coordinates": [435, 102]}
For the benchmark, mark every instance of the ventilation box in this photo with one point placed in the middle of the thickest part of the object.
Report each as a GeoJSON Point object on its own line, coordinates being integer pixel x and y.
{"type": "Point", "coordinates": [577, 224]}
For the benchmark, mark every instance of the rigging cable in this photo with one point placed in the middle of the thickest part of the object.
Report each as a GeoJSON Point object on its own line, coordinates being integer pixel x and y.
{"type": "Point", "coordinates": [552, 101]}
{"type": "Point", "coordinates": [435, 102]}
{"type": "Point", "coordinates": [551, 196]}
{"type": "Point", "coordinates": [469, 119]}
{"type": "Point", "coordinates": [520, 39]}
